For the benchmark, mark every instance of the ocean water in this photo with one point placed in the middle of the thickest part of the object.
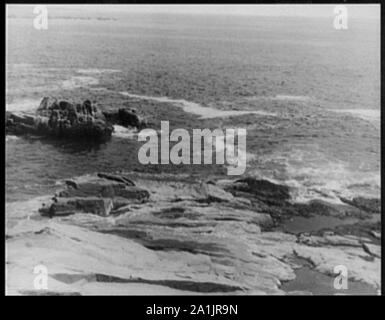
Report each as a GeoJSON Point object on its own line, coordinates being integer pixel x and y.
{"type": "Point", "coordinates": [308, 95]}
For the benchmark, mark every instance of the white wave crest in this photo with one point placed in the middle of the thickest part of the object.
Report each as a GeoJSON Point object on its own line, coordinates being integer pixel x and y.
{"type": "Point", "coordinates": [123, 132]}
{"type": "Point", "coordinates": [195, 108]}
{"type": "Point", "coordinates": [26, 105]}
{"type": "Point", "coordinates": [78, 82]}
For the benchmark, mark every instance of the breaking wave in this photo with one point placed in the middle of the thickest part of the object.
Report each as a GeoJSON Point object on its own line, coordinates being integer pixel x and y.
{"type": "Point", "coordinates": [26, 105]}
{"type": "Point", "coordinates": [281, 97]}
{"type": "Point", "coordinates": [79, 81]}
{"type": "Point", "coordinates": [97, 71]}
{"type": "Point", "coordinates": [371, 115]}
{"type": "Point", "coordinates": [310, 175]}
{"type": "Point", "coordinates": [123, 132]}
{"type": "Point", "coordinates": [195, 108]}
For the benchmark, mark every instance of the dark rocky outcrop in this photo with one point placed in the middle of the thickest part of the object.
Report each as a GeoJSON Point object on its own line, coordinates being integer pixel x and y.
{"type": "Point", "coordinates": [60, 118]}
{"type": "Point", "coordinates": [263, 190]}
{"type": "Point", "coordinates": [323, 208]}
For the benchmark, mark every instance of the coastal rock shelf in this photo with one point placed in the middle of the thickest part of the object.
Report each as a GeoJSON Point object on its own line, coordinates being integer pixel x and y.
{"type": "Point", "coordinates": [137, 233]}
{"type": "Point", "coordinates": [101, 195]}
{"type": "Point", "coordinates": [63, 119]}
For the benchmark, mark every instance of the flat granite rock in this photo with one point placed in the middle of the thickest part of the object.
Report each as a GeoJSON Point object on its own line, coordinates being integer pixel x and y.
{"type": "Point", "coordinates": [372, 249]}
{"type": "Point", "coordinates": [183, 239]}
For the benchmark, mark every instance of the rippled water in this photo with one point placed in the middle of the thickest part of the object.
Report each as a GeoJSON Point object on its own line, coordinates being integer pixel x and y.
{"type": "Point", "coordinates": [308, 95]}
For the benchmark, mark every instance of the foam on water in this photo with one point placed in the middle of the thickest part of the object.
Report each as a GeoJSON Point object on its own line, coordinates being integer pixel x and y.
{"type": "Point", "coordinates": [195, 108]}
{"type": "Point", "coordinates": [26, 105]}
{"type": "Point", "coordinates": [371, 115]}
{"type": "Point", "coordinates": [97, 71]}
{"type": "Point", "coordinates": [18, 211]}
{"type": "Point", "coordinates": [284, 97]}
{"type": "Point", "coordinates": [272, 77]}
{"type": "Point", "coordinates": [123, 132]}
{"type": "Point", "coordinates": [79, 81]}
{"type": "Point", "coordinates": [21, 65]}
{"type": "Point", "coordinates": [281, 97]}
{"type": "Point", "coordinates": [11, 138]}
{"type": "Point", "coordinates": [310, 174]}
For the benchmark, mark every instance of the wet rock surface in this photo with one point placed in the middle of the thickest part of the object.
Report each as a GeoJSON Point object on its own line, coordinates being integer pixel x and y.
{"type": "Point", "coordinates": [125, 117]}
{"type": "Point", "coordinates": [371, 205]}
{"type": "Point", "coordinates": [60, 118]}
{"type": "Point", "coordinates": [136, 233]}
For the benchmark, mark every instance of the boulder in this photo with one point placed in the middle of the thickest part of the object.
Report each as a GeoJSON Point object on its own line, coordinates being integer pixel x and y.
{"type": "Point", "coordinates": [215, 194]}
{"type": "Point", "coordinates": [263, 190]}
{"type": "Point", "coordinates": [47, 104]}
{"type": "Point", "coordinates": [125, 117]}
{"type": "Point", "coordinates": [95, 205]}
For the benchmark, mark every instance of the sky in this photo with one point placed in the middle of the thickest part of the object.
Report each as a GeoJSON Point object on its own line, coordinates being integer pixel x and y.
{"type": "Point", "coordinates": [354, 11]}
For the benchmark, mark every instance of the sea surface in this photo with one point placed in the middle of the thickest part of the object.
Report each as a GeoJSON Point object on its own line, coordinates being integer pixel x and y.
{"type": "Point", "coordinates": [308, 95]}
